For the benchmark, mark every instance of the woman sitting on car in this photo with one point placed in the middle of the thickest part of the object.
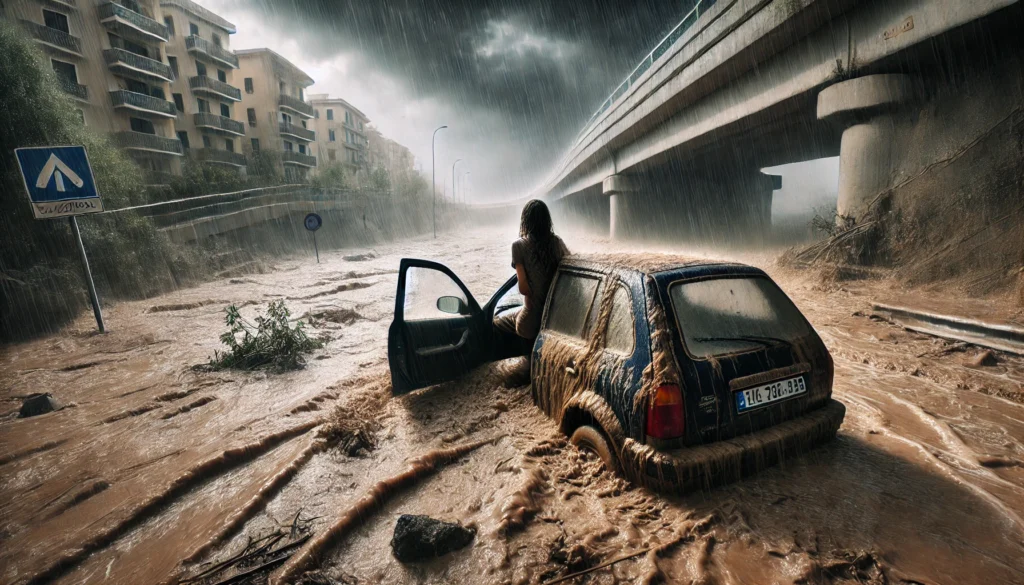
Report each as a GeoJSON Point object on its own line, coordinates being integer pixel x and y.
{"type": "Point", "coordinates": [535, 256]}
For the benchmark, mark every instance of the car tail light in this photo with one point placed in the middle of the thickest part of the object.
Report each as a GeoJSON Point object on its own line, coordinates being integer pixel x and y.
{"type": "Point", "coordinates": [665, 415]}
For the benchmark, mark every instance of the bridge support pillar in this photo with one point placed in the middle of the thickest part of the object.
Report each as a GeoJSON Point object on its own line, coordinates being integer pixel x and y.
{"type": "Point", "coordinates": [621, 189]}
{"type": "Point", "coordinates": [867, 106]}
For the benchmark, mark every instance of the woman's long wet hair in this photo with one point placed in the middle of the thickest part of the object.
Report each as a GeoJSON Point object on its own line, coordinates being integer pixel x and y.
{"type": "Point", "coordinates": [535, 226]}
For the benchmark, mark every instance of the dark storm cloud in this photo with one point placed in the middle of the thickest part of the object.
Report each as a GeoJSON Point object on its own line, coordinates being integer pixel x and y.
{"type": "Point", "coordinates": [541, 65]}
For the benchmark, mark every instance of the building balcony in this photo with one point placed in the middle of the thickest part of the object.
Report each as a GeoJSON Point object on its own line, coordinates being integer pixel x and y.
{"type": "Point", "coordinates": [132, 24]}
{"type": "Point", "coordinates": [208, 51]}
{"type": "Point", "coordinates": [73, 88]}
{"type": "Point", "coordinates": [141, 102]}
{"type": "Point", "coordinates": [147, 142]}
{"type": "Point", "coordinates": [53, 38]}
{"type": "Point", "coordinates": [128, 64]}
{"type": "Point", "coordinates": [290, 157]}
{"type": "Point", "coordinates": [224, 157]}
{"type": "Point", "coordinates": [299, 107]}
{"type": "Point", "coordinates": [296, 131]}
{"type": "Point", "coordinates": [353, 128]}
{"type": "Point", "coordinates": [218, 123]}
{"type": "Point", "coordinates": [216, 87]}
{"type": "Point", "coordinates": [63, 4]}
{"type": "Point", "coordinates": [204, 14]}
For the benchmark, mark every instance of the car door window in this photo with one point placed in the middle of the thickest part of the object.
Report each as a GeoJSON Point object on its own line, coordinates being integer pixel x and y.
{"type": "Point", "coordinates": [571, 303]}
{"type": "Point", "coordinates": [621, 336]}
{"type": "Point", "coordinates": [423, 288]}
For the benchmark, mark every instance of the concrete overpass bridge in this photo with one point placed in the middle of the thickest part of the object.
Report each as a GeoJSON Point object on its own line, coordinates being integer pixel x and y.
{"type": "Point", "coordinates": [897, 88]}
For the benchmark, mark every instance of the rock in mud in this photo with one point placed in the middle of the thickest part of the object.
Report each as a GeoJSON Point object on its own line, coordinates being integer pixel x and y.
{"type": "Point", "coordinates": [419, 538]}
{"type": "Point", "coordinates": [37, 404]}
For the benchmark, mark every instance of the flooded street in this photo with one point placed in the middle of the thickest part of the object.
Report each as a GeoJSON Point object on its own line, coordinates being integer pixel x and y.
{"type": "Point", "coordinates": [157, 470]}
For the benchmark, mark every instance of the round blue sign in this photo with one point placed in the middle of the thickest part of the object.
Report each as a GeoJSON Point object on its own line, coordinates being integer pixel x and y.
{"type": "Point", "coordinates": [313, 222]}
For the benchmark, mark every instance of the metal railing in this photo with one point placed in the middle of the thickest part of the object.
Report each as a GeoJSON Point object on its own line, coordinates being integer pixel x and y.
{"type": "Point", "coordinates": [111, 11]}
{"type": "Point", "coordinates": [211, 50]}
{"type": "Point", "coordinates": [142, 141]}
{"type": "Point", "coordinates": [53, 37]}
{"type": "Point", "coordinates": [290, 156]}
{"type": "Point", "coordinates": [204, 83]}
{"type": "Point", "coordinates": [74, 88]}
{"type": "Point", "coordinates": [700, 7]}
{"type": "Point", "coordinates": [220, 156]}
{"type": "Point", "coordinates": [296, 131]}
{"type": "Point", "coordinates": [122, 98]}
{"type": "Point", "coordinates": [296, 105]}
{"type": "Point", "coordinates": [193, 8]}
{"type": "Point", "coordinates": [217, 122]}
{"type": "Point", "coordinates": [123, 58]}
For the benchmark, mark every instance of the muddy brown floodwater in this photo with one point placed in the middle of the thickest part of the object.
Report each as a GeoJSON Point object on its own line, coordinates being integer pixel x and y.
{"type": "Point", "coordinates": [155, 471]}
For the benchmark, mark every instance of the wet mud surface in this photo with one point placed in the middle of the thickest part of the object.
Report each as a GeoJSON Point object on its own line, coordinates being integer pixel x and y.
{"type": "Point", "coordinates": [155, 472]}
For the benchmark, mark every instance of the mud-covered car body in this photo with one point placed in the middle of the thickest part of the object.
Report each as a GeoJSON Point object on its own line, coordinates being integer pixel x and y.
{"type": "Point", "coordinates": [694, 372]}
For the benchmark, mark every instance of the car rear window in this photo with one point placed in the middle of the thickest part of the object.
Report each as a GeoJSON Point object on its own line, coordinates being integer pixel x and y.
{"type": "Point", "coordinates": [726, 315]}
{"type": "Point", "coordinates": [571, 301]}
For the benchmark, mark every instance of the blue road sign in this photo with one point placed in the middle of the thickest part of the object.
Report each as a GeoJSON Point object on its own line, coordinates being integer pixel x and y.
{"type": "Point", "coordinates": [313, 222]}
{"type": "Point", "coordinates": [59, 181]}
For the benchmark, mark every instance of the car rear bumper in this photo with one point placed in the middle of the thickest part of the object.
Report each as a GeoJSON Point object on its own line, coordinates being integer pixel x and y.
{"type": "Point", "coordinates": [691, 468]}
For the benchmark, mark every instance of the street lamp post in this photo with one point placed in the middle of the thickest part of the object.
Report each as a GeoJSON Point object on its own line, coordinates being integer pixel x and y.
{"type": "Point", "coordinates": [453, 179]}
{"type": "Point", "coordinates": [463, 179]}
{"type": "Point", "coordinates": [433, 181]}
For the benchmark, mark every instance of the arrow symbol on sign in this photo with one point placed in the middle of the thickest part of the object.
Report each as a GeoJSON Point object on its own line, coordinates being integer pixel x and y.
{"type": "Point", "coordinates": [56, 168]}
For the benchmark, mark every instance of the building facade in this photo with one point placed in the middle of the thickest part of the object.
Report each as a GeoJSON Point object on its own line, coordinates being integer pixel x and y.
{"type": "Point", "coordinates": [276, 113]}
{"type": "Point", "coordinates": [110, 57]}
{"type": "Point", "coordinates": [382, 152]}
{"type": "Point", "coordinates": [203, 88]}
{"type": "Point", "coordinates": [340, 133]}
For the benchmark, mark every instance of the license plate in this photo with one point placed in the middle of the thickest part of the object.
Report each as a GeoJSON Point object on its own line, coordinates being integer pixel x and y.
{"type": "Point", "coordinates": [758, 396]}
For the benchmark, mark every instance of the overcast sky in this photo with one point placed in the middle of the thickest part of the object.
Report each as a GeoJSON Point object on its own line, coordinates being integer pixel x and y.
{"type": "Point", "coordinates": [514, 80]}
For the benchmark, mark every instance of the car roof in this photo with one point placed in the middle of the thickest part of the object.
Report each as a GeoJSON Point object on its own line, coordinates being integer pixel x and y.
{"type": "Point", "coordinates": [644, 262]}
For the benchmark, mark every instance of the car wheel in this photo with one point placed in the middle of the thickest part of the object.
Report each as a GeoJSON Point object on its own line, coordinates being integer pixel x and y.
{"type": "Point", "coordinates": [590, 439]}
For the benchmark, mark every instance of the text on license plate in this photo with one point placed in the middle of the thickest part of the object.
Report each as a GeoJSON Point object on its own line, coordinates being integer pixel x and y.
{"type": "Point", "coordinates": [757, 396]}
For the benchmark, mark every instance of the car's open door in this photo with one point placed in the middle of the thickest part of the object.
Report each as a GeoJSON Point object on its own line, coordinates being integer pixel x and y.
{"type": "Point", "coordinates": [439, 332]}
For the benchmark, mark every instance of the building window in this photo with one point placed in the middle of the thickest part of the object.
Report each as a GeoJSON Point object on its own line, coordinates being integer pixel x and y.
{"type": "Point", "coordinates": [183, 137]}
{"type": "Point", "coordinates": [221, 76]}
{"type": "Point", "coordinates": [288, 146]}
{"type": "Point", "coordinates": [56, 20]}
{"type": "Point", "coordinates": [286, 118]}
{"type": "Point", "coordinates": [225, 111]}
{"type": "Point", "coordinates": [229, 145]}
{"type": "Point", "coordinates": [316, 114]}
{"type": "Point", "coordinates": [193, 29]}
{"type": "Point", "coordinates": [200, 69]}
{"type": "Point", "coordinates": [142, 125]}
{"type": "Point", "coordinates": [251, 114]}
{"type": "Point", "coordinates": [204, 106]}
{"type": "Point", "coordinates": [330, 114]}
{"type": "Point", "coordinates": [330, 155]}
{"type": "Point", "coordinates": [330, 136]}
{"type": "Point", "coordinates": [179, 103]}
{"type": "Point", "coordinates": [173, 62]}
{"type": "Point", "coordinates": [255, 144]}
{"type": "Point", "coordinates": [66, 72]}
{"type": "Point", "coordinates": [216, 39]}
{"type": "Point", "coordinates": [206, 141]}
{"type": "Point", "coordinates": [169, 23]}
{"type": "Point", "coordinates": [302, 149]}
{"type": "Point", "coordinates": [302, 96]}
{"type": "Point", "coordinates": [248, 85]}
{"type": "Point", "coordinates": [303, 122]}
{"type": "Point", "coordinates": [280, 87]}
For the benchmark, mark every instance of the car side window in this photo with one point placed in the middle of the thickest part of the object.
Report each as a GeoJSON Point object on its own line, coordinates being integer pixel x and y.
{"type": "Point", "coordinates": [571, 303]}
{"type": "Point", "coordinates": [423, 288]}
{"type": "Point", "coordinates": [621, 335]}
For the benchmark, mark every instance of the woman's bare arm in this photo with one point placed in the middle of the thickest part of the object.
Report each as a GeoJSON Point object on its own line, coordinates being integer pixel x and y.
{"type": "Point", "coordinates": [524, 286]}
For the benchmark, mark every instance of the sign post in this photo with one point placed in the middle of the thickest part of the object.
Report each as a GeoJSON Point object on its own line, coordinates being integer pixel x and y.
{"type": "Point", "coordinates": [60, 183]}
{"type": "Point", "coordinates": [313, 223]}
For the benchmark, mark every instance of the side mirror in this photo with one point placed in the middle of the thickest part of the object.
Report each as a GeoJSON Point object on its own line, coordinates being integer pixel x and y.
{"type": "Point", "coordinates": [452, 306]}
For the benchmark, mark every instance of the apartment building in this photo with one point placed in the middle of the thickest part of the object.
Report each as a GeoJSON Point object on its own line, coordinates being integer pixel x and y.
{"type": "Point", "coordinates": [110, 57]}
{"type": "Point", "coordinates": [276, 112]}
{"type": "Point", "coordinates": [382, 152]}
{"type": "Point", "coordinates": [203, 88]}
{"type": "Point", "coordinates": [340, 132]}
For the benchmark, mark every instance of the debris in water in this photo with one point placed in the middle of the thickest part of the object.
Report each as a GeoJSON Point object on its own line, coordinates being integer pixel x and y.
{"type": "Point", "coordinates": [359, 257]}
{"type": "Point", "coordinates": [419, 538]}
{"type": "Point", "coordinates": [985, 358]}
{"type": "Point", "coordinates": [37, 404]}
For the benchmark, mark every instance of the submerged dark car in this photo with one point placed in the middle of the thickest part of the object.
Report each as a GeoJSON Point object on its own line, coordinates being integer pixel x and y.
{"type": "Point", "coordinates": [678, 373]}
